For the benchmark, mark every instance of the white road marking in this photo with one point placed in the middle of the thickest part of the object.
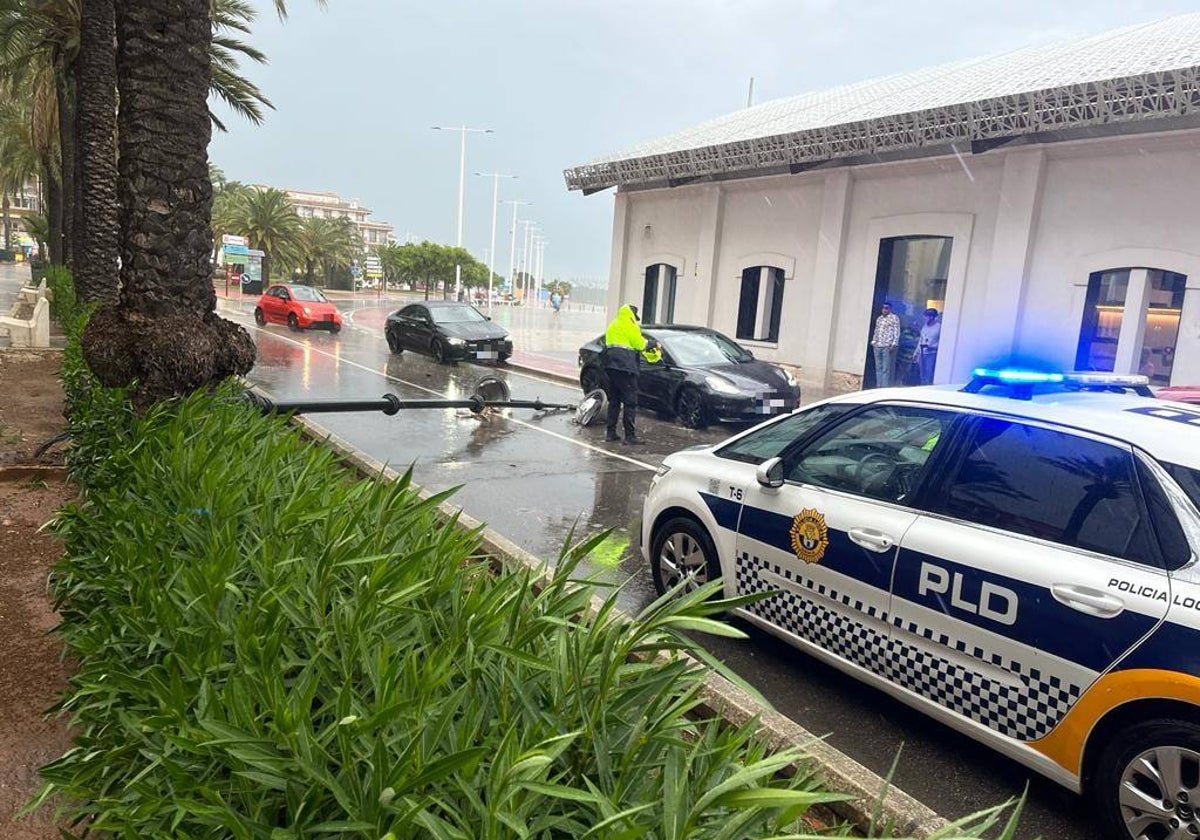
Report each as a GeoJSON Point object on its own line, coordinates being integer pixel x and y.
{"type": "Point", "coordinates": [526, 424]}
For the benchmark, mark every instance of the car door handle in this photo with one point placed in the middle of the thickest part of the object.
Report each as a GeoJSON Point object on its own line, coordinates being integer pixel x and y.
{"type": "Point", "coordinates": [1087, 600]}
{"type": "Point", "coordinates": [871, 540]}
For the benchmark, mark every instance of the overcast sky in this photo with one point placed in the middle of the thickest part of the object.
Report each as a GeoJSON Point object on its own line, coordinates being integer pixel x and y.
{"type": "Point", "coordinates": [358, 85]}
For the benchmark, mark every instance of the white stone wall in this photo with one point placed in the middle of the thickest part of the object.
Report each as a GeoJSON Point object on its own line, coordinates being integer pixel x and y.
{"type": "Point", "coordinates": [1029, 223]}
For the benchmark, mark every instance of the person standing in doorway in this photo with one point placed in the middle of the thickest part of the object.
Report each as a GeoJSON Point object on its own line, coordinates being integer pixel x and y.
{"type": "Point", "coordinates": [884, 341]}
{"type": "Point", "coordinates": [623, 342]}
{"type": "Point", "coordinates": [927, 345]}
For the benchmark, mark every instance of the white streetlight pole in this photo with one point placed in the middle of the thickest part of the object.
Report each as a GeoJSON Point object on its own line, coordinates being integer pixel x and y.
{"type": "Point", "coordinates": [462, 177]}
{"type": "Point", "coordinates": [512, 253]}
{"type": "Point", "coordinates": [495, 176]}
{"type": "Point", "coordinates": [541, 270]}
{"type": "Point", "coordinates": [526, 261]}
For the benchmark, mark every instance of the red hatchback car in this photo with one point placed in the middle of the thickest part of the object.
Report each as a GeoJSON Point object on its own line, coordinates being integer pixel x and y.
{"type": "Point", "coordinates": [300, 307]}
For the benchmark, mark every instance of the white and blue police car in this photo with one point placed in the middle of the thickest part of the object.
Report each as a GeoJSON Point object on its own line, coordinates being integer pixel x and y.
{"type": "Point", "coordinates": [1017, 557]}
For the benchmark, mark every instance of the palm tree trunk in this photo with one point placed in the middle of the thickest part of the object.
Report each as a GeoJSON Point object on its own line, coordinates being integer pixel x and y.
{"type": "Point", "coordinates": [63, 89]}
{"type": "Point", "coordinates": [97, 217]}
{"type": "Point", "coordinates": [54, 216]}
{"type": "Point", "coordinates": [6, 209]}
{"type": "Point", "coordinates": [164, 332]}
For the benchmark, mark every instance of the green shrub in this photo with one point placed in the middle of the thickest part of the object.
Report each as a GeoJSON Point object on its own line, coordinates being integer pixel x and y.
{"type": "Point", "coordinates": [64, 306]}
{"type": "Point", "coordinates": [271, 648]}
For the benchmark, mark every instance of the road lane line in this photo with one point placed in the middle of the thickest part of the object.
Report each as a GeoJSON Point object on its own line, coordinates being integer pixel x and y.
{"type": "Point", "coordinates": [341, 360]}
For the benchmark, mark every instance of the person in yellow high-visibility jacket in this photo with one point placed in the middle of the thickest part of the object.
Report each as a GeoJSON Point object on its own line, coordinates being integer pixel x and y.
{"type": "Point", "coordinates": [623, 342]}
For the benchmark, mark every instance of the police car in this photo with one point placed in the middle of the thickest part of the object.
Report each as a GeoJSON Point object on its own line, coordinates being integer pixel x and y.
{"type": "Point", "coordinates": [1016, 557]}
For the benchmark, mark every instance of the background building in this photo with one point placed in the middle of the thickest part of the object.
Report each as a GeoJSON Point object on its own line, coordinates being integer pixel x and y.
{"type": "Point", "coordinates": [328, 205]}
{"type": "Point", "coordinates": [1044, 201]}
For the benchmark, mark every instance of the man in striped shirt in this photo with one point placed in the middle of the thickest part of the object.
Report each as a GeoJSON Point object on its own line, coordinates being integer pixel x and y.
{"type": "Point", "coordinates": [884, 342]}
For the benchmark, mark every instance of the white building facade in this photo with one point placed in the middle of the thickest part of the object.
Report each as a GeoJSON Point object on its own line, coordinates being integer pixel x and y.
{"type": "Point", "coordinates": [1046, 203]}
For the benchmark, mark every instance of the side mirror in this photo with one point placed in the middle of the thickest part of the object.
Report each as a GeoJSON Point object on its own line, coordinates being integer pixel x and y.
{"type": "Point", "coordinates": [770, 473]}
{"type": "Point", "coordinates": [487, 317]}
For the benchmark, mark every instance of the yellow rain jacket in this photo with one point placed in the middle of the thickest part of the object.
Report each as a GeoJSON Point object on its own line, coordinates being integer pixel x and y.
{"type": "Point", "coordinates": [623, 340]}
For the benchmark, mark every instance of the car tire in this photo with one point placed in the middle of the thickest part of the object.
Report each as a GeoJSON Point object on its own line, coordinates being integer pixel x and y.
{"type": "Point", "coordinates": [1153, 742]}
{"type": "Point", "coordinates": [393, 342]}
{"type": "Point", "coordinates": [260, 317]}
{"type": "Point", "coordinates": [681, 547]}
{"type": "Point", "coordinates": [590, 380]}
{"type": "Point", "coordinates": [293, 322]}
{"type": "Point", "coordinates": [690, 410]}
{"type": "Point", "coordinates": [439, 351]}
{"type": "Point", "coordinates": [335, 329]}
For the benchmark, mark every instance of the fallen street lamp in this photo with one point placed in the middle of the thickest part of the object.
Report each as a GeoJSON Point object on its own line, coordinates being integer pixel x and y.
{"type": "Point", "coordinates": [489, 393]}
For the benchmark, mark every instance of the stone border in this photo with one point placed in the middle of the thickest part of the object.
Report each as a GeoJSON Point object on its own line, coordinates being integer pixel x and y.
{"type": "Point", "coordinates": [872, 795]}
{"type": "Point", "coordinates": [557, 378]}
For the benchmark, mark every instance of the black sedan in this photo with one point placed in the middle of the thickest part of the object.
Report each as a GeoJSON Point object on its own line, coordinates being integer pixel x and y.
{"type": "Point", "coordinates": [448, 331]}
{"type": "Point", "coordinates": [703, 377]}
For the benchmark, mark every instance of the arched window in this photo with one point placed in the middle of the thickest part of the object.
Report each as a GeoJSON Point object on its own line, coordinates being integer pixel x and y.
{"type": "Point", "coordinates": [658, 295]}
{"type": "Point", "coordinates": [1131, 322]}
{"type": "Point", "coordinates": [760, 304]}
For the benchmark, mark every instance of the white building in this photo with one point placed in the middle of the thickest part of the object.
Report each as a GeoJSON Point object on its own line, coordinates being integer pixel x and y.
{"type": "Point", "coordinates": [330, 205]}
{"type": "Point", "coordinates": [1046, 202]}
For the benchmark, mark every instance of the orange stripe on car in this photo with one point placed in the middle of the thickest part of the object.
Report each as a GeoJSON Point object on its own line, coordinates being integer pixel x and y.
{"type": "Point", "coordinates": [1064, 746]}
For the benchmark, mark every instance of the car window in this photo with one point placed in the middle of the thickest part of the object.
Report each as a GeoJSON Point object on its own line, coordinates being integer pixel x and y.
{"type": "Point", "coordinates": [282, 294]}
{"type": "Point", "coordinates": [879, 452]}
{"type": "Point", "coordinates": [702, 348]}
{"type": "Point", "coordinates": [416, 313]}
{"type": "Point", "coordinates": [308, 294]}
{"type": "Point", "coordinates": [1052, 485]}
{"type": "Point", "coordinates": [1188, 479]}
{"type": "Point", "coordinates": [464, 314]}
{"type": "Point", "coordinates": [1172, 541]}
{"type": "Point", "coordinates": [770, 440]}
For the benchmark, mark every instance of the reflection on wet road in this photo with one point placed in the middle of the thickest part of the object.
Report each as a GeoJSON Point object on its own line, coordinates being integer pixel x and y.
{"type": "Point", "coordinates": [536, 476]}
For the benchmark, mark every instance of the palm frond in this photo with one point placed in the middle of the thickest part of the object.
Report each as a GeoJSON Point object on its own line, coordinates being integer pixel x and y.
{"type": "Point", "coordinates": [242, 96]}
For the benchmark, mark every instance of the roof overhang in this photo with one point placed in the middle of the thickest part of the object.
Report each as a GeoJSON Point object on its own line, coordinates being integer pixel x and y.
{"type": "Point", "coordinates": [1150, 102]}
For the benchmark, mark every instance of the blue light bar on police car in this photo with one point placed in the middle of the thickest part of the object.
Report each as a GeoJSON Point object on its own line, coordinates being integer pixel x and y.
{"type": "Point", "coordinates": [1016, 376]}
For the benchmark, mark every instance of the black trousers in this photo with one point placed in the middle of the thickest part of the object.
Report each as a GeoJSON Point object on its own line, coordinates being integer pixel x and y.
{"type": "Point", "coordinates": [622, 391]}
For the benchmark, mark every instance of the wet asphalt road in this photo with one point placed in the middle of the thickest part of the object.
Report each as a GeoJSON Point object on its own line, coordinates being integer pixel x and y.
{"type": "Point", "coordinates": [535, 477]}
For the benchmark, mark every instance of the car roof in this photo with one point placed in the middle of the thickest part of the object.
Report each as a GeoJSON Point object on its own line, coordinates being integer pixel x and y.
{"type": "Point", "coordinates": [439, 303]}
{"type": "Point", "coordinates": [1168, 430]}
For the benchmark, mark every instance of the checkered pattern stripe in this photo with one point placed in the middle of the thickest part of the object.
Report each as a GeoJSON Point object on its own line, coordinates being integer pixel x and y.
{"type": "Point", "coordinates": [831, 630]}
{"type": "Point", "coordinates": [1024, 712]}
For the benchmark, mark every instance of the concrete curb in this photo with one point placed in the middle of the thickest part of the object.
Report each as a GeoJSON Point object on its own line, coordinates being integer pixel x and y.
{"type": "Point", "coordinates": [561, 378]}
{"type": "Point", "coordinates": [871, 794]}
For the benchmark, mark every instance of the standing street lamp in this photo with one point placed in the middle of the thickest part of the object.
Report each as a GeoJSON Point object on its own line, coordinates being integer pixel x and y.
{"type": "Point", "coordinates": [512, 253]}
{"type": "Point", "coordinates": [495, 176]}
{"type": "Point", "coordinates": [526, 257]}
{"type": "Point", "coordinates": [541, 264]}
{"type": "Point", "coordinates": [462, 174]}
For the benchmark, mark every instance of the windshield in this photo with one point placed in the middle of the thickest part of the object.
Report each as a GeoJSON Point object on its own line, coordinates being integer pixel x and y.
{"type": "Point", "coordinates": [456, 314]}
{"type": "Point", "coordinates": [702, 348]}
{"type": "Point", "coordinates": [307, 293]}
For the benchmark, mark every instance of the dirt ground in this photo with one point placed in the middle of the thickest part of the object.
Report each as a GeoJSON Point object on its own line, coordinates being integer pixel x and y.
{"type": "Point", "coordinates": [32, 674]}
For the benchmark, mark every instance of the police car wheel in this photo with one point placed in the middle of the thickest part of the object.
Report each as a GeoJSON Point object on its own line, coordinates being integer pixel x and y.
{"type": "Point", "coordinates": [682, 551]}
{"type": "Point", "coordinates": [1147, 782]}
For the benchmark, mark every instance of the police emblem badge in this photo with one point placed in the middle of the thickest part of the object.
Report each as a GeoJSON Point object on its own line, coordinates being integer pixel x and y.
{"type": "Point", "coordinates": [809, 535]}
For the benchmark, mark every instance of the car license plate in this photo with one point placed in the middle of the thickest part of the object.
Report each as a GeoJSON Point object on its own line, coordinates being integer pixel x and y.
{"type": "Point", "coordinates": [486, 354]}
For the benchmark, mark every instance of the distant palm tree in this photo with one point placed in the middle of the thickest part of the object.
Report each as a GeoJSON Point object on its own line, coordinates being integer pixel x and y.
{"type": "Point", "coordinates": [18, 160]}
{"type": "Point", "coordinates": [268, 219]}
{"type": "Point", "coordinates": [327, 243]}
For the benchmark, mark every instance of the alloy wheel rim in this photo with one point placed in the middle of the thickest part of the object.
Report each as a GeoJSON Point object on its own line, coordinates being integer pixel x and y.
{"type": "Point", "coordinates": [682, 558]}
{"type": "Point", "coordinates": [690, 404]}
{"type": "Point", "coordinates": [1160, 794]}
